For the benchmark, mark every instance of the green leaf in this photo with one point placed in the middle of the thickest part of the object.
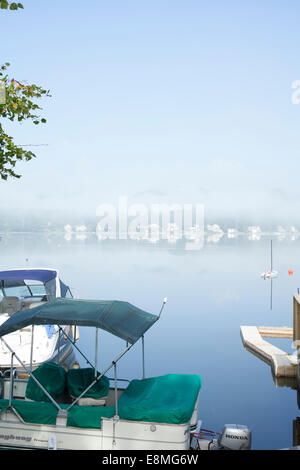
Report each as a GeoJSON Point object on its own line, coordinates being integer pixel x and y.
{"type": "Point", "coordinates": [4, 4]}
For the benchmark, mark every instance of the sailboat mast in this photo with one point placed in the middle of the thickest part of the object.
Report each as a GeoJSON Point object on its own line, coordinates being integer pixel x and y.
{"type": "Point", "coordinates": [271, 256]}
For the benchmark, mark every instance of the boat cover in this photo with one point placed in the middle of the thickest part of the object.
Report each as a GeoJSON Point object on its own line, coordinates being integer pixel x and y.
{"type": "Point", "coordinates": [169, 399]}
{"type": "Point", "coordinates": [120, 318]}
{"type": "Point", "coordinates": [79, 379]}
{"type": "Point", "coordinates": [43, 275]}
{"type": "Point", "coordinates": [52, 376]}
{"type": "Point", "coordinates": [46, 413]}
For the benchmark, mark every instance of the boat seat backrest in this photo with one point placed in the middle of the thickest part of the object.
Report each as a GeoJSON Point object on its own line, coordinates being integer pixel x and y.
{"type": "Point", "coordinates": [10, 305]}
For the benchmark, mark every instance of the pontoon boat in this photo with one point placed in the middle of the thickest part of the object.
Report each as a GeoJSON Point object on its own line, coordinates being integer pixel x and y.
{"type": "Point", "coordinates": [84, 408]}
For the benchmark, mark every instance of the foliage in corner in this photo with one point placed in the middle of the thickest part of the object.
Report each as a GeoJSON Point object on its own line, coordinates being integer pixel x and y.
{"type": "Point", "coordinates": [5, 5]}
{"type": "Point", "coordinates": [17, 104]}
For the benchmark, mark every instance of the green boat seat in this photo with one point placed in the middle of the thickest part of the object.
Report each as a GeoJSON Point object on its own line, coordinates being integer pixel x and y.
{"type": "Point", "coordinates": [79, 379]}
{"type": "Point", "coordinates": [32, 411]}
{"type": "Point", "coordinates": [166, 399]}
{"type": "Point", "coordinates": [46, 413]}
{"type": "Point", "coordinates": [89, 416]}
{"type": "Point", "coordinates": [52, 377]}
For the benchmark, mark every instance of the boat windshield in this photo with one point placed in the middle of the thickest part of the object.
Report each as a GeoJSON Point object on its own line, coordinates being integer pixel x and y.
{"type": "Point", "coordinates": [17, 291]}
{"type": "Point", "coordinates": [28, 289]}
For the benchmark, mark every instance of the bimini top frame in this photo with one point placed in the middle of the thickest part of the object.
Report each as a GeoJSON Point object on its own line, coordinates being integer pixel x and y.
{"type": "Point", "coordinates": [119, 318]}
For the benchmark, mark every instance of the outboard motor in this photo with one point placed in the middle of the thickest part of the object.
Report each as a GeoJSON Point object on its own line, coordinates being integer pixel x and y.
{"type": "Point", "coordinates": [234, 437]}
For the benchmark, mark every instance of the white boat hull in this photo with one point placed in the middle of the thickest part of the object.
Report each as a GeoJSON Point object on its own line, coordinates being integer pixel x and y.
{"type": "Point", "coordinates": [122, 435]}
{"type": "Point", "coordinates": [112, 435]}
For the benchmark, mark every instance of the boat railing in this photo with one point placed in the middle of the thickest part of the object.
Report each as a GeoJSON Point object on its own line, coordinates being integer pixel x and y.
{"type": "Point", "coordinates": [119, 380]}
{"type": "Point", "coordinates": [7, 373]}
{"type": "Point", "coordinates": [1, 384]}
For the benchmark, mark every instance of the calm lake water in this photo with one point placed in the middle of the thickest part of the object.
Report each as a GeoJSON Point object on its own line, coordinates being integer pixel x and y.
{"type": "Point", "coordinates": [211, 293]}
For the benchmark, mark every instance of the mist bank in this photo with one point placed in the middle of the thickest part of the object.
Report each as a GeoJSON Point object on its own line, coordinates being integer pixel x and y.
{"type": "Point", "coordinates": [60, 220]}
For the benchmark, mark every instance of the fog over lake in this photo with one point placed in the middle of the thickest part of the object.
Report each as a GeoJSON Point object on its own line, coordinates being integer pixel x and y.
{"type": "Point", "coordinates": [211, 293]}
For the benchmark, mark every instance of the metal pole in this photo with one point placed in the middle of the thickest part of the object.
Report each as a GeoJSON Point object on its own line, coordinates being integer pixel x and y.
{"type": "Point", "coordinates": [58, 349]}
{"type": "Point", "coordinates": [116, 389]}
{"type": "Point", "coordinates": [162, 307]}
{"type": "Point", "coordinates": [31, 351]}
{"type": "Point", "coordinates": [96, 352]}
{"type": "Point", "coordinates": [143, 355]}
{"type": "Point", "coordinates": [116, 417]}
{"type": "Point", "coordinates": [271, 256]}
{"type": "Point", "coordinates": [11, 378]}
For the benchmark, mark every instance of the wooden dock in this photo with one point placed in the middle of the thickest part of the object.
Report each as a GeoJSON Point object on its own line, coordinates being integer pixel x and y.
{"type": "Point", "coordinates": [282, 364]}
{"type": "Point", "coordinates": [275, 332]}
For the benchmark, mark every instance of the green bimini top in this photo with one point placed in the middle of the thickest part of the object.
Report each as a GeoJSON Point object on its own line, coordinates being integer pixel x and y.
{"type": "Point", "coordinates": [119, 318]}
{"type": "Point", "coordinates": [169, 399]}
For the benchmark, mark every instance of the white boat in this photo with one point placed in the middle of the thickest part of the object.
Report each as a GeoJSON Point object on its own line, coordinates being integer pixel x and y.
{"type": "Point", "coordinates": [269, 275]}
{"type": "Point", "coordinates": [24, 289]}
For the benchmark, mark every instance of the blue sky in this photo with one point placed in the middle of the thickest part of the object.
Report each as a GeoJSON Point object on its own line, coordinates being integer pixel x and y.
{"type": "Point", "coordinates": [160, 101]}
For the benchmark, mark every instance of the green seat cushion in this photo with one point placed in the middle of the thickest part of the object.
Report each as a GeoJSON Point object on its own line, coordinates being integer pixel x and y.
{"type": "Point", "coordinates": [33, 412]}
{"type": "Point", "coordinates": [52, 377]}
{"type": "Point", "coordinates": [46, 413]}
{"type": "Point", "coordinates": [79, 379]}
{"type": "Point", "coordinates": [89, 416]}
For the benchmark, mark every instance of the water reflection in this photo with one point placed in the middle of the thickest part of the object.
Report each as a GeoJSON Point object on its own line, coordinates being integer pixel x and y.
{"type": "Point", "coordinates": [173, 233]}
{"type": "Point", "coordinates": [213, 287]}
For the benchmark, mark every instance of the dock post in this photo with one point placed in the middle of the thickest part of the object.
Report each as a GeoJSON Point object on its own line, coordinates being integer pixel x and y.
{"type": "Point", "coordinates": [296, 432]}
{"type": "Point", "coordinates": [296, 331]}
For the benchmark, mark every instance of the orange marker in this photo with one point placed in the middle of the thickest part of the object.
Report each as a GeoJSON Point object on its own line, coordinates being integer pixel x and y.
{"type": "Point", "coordinates": [291, 272]}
